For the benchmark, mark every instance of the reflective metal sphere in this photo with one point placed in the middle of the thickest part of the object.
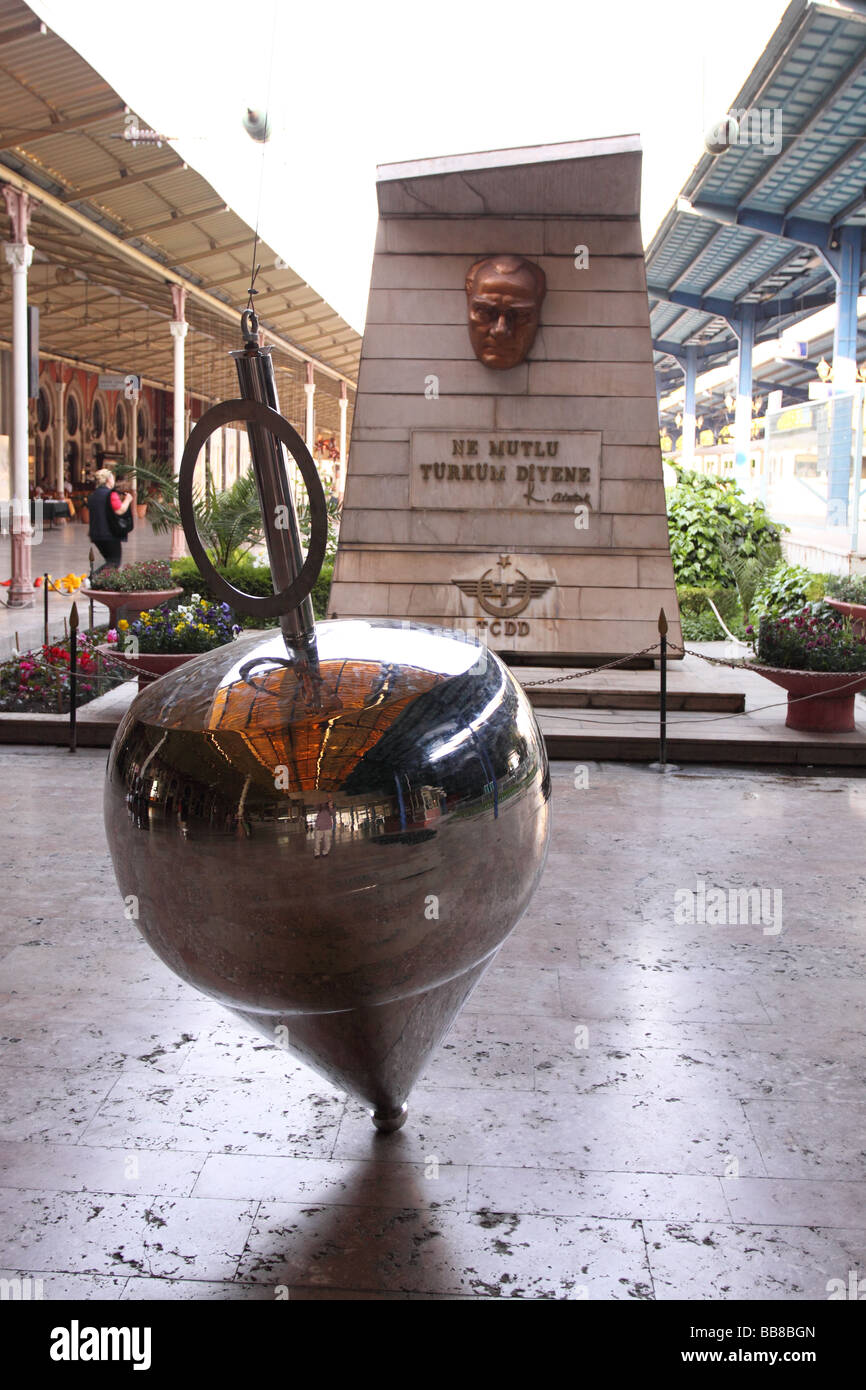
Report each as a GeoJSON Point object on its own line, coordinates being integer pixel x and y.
{"type": "Point", "coordinates": [336, 849]}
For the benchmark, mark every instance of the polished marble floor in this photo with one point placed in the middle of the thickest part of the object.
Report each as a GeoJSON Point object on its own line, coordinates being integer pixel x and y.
{"type": "Point", "coordinates": [636, 1104]}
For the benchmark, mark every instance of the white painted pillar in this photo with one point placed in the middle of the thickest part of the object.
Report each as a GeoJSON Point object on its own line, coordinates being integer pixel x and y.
{"type": "Point", "coordinates": [60, 434]}
{"type": "Point", "coordinates": [310, 392]}
{"type": "Point", "coordinates": [19, 254]}
{"type": "Point", "coordinates": [178, 328]}
{"type": "Point", "coordinates": [344, 413]}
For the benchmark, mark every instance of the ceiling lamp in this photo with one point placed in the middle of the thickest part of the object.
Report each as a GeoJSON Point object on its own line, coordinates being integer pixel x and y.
{"type": "Point", "coordinates": [824, 370]}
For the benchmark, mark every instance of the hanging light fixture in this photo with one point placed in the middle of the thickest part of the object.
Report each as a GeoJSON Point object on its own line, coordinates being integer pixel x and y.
{"type": "Point", "coordinates": [824, 370]}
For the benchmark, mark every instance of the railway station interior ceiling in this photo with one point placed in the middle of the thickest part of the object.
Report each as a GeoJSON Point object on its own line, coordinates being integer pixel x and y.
{"type": "Point", "coordinates": [761, 199]}
{"type": "Point", "coordinates": [101, 197]}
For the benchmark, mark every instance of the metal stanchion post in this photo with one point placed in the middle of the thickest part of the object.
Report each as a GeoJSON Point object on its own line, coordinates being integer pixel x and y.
{"type": "Point", "coordinates": [91, 557]}
{"type": "Point", "coordinates": [663, 765]}
{"type": "Point", "coordinates": [73, 676]}
{"type": "Point", "coordinates": [663, 688]}
{"type": "Point", "coordinates": [45, 610]}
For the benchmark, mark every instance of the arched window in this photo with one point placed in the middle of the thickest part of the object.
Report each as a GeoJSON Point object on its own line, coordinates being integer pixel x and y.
{"type": "Point", "coordinates": [73, 414]}
{"type": "Point", "coordinates": [43, 409]}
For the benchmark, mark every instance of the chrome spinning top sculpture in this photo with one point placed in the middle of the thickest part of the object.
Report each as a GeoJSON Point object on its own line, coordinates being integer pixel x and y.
{"type": "Point", "coordinates": [329, 828]}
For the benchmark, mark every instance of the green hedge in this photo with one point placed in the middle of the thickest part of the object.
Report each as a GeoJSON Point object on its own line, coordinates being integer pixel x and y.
{"type": "Point", "coordinates": [785, 591]}
{"type": "Point", "coordinates": [707, 517]}
{"type": "Point", "coordinates": [850, 588]}
{"type": "Point", "coordinates": [698, 620]}
{"type": "Point", "coordinates": [252, 579]}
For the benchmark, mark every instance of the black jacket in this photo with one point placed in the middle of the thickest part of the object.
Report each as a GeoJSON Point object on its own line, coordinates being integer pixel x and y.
{"type": "Point", "coordinates": [105, 524]}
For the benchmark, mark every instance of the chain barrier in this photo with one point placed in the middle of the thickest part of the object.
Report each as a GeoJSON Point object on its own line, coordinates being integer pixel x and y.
{"type": "Point", "coordinates": [741, 664]}
{"type": "Point", "coordinates": [574, 674]}
{"type": "Point", "coordinates": [577, 675]}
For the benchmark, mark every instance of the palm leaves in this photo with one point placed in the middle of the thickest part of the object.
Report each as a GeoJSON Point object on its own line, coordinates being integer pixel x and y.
{"type": "Point", "coordinates": [748, 571]}
{"type": "Point", "coordinates": [229, 523]}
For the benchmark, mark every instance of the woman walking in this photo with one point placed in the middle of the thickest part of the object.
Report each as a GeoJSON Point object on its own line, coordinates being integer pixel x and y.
{"type": "Point", "coordinates": [106, 507]}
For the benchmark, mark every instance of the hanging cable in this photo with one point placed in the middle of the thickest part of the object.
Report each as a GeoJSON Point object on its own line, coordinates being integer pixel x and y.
{"type": "Point", "coordinates": [254, 269]}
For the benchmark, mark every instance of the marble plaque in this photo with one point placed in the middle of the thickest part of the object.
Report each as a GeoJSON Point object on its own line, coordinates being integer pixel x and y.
{"type": "Point", "coordinates": [515, 470]}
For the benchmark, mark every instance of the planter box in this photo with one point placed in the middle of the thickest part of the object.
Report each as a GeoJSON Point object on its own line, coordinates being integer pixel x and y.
{"type": "Point", "coordinates": [824, 713]}
{"type": "Point", "coordinates": [855, 611]}
{"type": "Point", "coordinates": [140, 600]}
{"type": "Point", "coordinates": [151, 663]}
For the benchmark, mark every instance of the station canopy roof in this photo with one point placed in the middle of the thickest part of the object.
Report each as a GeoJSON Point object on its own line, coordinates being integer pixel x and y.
{"type": "Point", "coordinates": [118, 225]}
{"type": "Point", "coordinates": [762, 212]}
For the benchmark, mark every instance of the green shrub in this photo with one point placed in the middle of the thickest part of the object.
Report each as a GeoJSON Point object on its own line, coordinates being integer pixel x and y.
{"type": "Point", "coordinates": [849, 588]}
{"type": "Point", "coordinates": [322, 589]}
{"type": "Point", "coordinates": [785, 591]}
{"type": "Point", "coordinates": [697, 617]}
{"type": "Point", "coordinates": [251, 579]}
{"type": "Point", "coordinates": [706, 517]}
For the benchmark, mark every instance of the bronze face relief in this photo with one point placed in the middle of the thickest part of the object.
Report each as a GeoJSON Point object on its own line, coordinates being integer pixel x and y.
{"type": "Point", "coordinates": [504, 295]}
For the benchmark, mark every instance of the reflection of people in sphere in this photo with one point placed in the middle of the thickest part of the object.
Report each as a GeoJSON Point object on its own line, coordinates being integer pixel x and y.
{"type": "Point", "coordinates": [324, 830]}
{"type": "Point", "coordinates": [504, 294]}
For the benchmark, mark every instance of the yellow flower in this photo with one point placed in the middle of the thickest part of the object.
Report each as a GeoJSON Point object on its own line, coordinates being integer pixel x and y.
{"type": "Point", "coordinates": [123, 624]}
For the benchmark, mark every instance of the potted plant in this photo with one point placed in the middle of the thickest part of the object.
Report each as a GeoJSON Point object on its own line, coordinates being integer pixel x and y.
{"type": "Point", "coordinates": [137, 586]}
{"type": "Point", "coordinates": [145, 492]}
{"type": "Point", "coordinates": [848, 596]}
{"type": "Point", "coordinates": [160, 639]}
{"type": "Point", "coordinates": [819, 660]}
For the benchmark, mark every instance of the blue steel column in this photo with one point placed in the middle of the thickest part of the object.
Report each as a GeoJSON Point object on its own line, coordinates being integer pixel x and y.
{"type": "Point", "coordinates": [690, 367]}
{"type": "Point", "coordinates": [744, 328]}
{"type": "Point", "coordinates": [846, 263]}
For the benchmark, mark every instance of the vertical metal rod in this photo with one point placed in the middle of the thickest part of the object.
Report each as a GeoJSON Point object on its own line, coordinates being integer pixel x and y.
{"type": "Point", "coordinates": [73, 676]}
{"type": "Point", "coordinates": [45, 610]}
{"type": "Point", "coordinates": [663, 688]}
{"type": "Point", "coordinates": [91, 557]}
{"type": "Point", "coordinates": [256, 378]}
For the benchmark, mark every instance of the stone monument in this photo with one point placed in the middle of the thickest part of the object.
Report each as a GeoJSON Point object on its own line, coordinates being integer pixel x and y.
{"type": "Point", "coordinates": [504, 474]}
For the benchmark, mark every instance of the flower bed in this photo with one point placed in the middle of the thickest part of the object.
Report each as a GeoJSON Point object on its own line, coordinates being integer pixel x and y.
{"type": "Point", "coordinates": [809, 641]}
{"type": "Point", "coordinates": [148, 576]}
{"type": "Point", "coordinates": [197, 626]}
{"type": "Point", "coordinates": [38, 682]}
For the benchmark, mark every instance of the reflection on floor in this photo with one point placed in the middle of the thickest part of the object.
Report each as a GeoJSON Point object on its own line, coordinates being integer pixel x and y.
{"type": "Point", "coordinates": [641, 1101]}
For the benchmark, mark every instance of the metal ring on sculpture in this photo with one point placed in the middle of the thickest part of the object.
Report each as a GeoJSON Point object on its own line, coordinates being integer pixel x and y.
{"type": "Point", "coordinates": [254, 412]}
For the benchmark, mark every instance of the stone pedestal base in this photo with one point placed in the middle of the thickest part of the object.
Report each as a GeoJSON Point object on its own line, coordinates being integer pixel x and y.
{"type": "Point", "coordinates": [21, 589]}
